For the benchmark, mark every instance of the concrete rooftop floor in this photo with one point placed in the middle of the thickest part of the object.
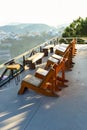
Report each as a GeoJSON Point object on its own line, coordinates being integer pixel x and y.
{"type": "Point", "coordinates": [32, 111]}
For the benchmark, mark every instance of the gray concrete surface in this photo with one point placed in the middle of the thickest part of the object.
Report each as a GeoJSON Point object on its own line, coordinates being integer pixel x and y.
{"type": "Point", "coordinates": [32, 111]}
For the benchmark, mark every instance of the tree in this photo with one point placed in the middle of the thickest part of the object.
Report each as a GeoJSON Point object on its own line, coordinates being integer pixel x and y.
{"type": "Point", "coordinates": [77, 28]}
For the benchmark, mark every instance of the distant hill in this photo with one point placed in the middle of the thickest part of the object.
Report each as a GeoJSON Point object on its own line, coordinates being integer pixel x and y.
{"type": "Point", "coordinates": [18, 38]}
{"type": "Point", "coordinates": [22, 28]}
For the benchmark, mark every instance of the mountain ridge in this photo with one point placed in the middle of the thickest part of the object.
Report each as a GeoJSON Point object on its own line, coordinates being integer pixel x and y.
{"type": "Point", "coordinates": [23, 27]}
{"type": "Point", "coordinates": [30, 27]}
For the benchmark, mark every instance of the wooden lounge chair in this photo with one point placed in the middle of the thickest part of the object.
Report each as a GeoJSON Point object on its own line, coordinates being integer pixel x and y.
{"type": "Point", "coordinates": [42, 86]}
{"type": "Point", "coordinates": [66, 53]}
{"type": "Point", "coordinates": [59, 75]}
{"type": "Point", "coordinates": [63, 48]}
{"type": "Point", "coordinates": [51, 61]}
{"type": "Point", "coordinates": [61, 55]}
{"type": "Point", "coordinates": [66, 58]}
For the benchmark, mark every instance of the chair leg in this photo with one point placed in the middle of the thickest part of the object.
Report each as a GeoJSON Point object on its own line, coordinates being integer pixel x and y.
{"type": "Point", "coordinates": [61, 79]}
{"type": "Point", "coordinates": [22, 89]}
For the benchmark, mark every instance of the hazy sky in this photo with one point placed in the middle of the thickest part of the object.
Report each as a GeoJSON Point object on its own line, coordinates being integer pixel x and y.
{"type": "Point", "coordinates": [51, 12]}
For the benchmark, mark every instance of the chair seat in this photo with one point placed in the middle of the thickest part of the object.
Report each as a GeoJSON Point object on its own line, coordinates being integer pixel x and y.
{"type": "Point", "coordinates": [61, 49]}
{"type": "Point", "coordinates": [42, 71]}
{"type": "Point", "coordinates": [53, 60]}
{"type": "Point", "coordinates": [57, 56]}
{"type": "Point", "coordinates": [32, 80]}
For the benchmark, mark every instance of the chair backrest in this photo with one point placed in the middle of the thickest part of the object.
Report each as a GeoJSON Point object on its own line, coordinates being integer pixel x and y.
{"type": "Point", "coordinates": [70, 49]}
{"type": "Point", "coordinates": [58, 67]}
{"type": "Point", "coordinates": [55, 68]}
{"type": "Point", "coordinates": [73, 42]}
{"type": "Point", "coordinates": [49, 75]}
{"type": "Point", "coordinates": [67, 51]}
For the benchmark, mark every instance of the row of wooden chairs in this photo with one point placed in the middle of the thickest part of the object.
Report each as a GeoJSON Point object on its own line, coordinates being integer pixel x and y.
{"type": "Point", "coordinates": [50, 80]}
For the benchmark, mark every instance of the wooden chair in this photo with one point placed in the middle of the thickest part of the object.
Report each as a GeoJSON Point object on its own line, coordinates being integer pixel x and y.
{"type": "Point", "coordinates": [58, 79]}
{"type": "Point", "coordinates": [50, 62]}
{"type": "Point", "coordinates": [61, 54]}
{"type": "Point", "coordinates": [42, 86]}
{"type": "Point", "coordinates": [60, 50]}
{"type": "Point", "coordinates": [67, 54]}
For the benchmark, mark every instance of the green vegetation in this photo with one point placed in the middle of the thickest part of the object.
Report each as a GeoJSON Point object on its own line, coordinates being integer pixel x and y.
{"type": "Point", "coordinates": [78, 28]}
{"type": "Point", "coordinates": [65, 40]}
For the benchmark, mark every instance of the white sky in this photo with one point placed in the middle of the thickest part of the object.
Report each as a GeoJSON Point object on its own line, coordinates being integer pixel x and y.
{"type": "Point", "coordinates": [51, 12]}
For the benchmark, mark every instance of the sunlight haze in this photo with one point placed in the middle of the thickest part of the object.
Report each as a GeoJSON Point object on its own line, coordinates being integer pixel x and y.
{"type": "Point", "coordinates": [51, 12]}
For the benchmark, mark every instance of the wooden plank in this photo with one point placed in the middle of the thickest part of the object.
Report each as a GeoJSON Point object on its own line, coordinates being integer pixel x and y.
{"type": "Point", "coordinates": [35, 57]}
